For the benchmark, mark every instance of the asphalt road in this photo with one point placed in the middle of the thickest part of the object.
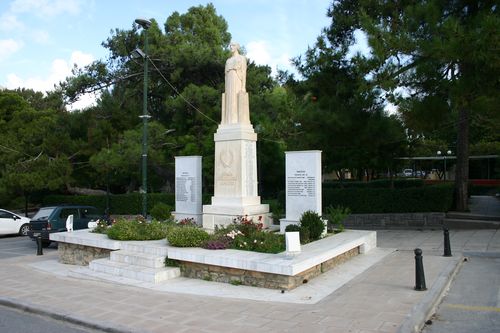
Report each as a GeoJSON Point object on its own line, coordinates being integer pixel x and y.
{"type": "Point", "coordinates": [14, 246]}
{"type": "Point", "coordinates": [472, 304]}
{"type": "Point", "coordinates": [17, 321]}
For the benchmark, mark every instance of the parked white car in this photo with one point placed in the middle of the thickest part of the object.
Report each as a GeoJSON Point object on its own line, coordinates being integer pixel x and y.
{"type": "Point", "coordinates": [408, 173]}
{"type": "Point", "coordinates": [11, 223]}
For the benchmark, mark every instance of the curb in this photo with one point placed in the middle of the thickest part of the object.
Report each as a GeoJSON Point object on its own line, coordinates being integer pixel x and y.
{"type": "Point", "coordinates": [63, 316]}
{"type": "Point", "coordinates": [415, 320]}
{"type": "Point", "coordinates": [487, 254]}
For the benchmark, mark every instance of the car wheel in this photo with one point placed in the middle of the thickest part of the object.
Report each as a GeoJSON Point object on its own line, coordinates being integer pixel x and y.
{"type": "Point", "coordinates": [46, 243]}
{"type": "Point", "coordinates": [23, 231]}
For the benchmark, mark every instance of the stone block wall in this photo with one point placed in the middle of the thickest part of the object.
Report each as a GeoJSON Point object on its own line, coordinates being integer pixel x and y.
{"type": "Point", "coordinates": [395, 220]}
{"type": "Point", "coordinates": [261, 279]}
{"type": "Point", "coordinates": [76, 254]}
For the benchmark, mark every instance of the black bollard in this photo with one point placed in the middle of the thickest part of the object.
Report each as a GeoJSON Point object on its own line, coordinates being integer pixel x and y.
{"type": "Point", "coordinates": [419, 271]}
{"type": "Point", "coordinates": [447, 247]}
{"type": "Point", "coordinates": [39, 250]}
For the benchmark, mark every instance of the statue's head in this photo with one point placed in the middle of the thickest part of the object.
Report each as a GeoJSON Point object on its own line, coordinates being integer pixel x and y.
{"type": "Point", "coordinates": [235, 47]}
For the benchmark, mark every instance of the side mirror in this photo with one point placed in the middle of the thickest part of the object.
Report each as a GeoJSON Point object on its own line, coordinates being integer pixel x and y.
{"type": "Point", "coordinates": [15, 217]}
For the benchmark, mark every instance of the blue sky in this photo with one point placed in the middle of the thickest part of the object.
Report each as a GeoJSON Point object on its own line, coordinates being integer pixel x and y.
{"type": "Point", "coordinates": [40, 40]}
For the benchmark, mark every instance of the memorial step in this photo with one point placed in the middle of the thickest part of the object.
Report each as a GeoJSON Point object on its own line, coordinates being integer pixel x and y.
{"type": "Point", "coordinates": [138, 258]}
{"type": "Point", "coordinates": [158, 248]}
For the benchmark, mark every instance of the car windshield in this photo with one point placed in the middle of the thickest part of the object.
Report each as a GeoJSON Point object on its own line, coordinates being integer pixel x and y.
{"type": "Point", "coordinates": [43, 213]}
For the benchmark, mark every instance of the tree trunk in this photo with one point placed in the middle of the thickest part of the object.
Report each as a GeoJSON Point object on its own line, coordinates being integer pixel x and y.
{"type": "Point", "coordinates": [26, 199]}
{"type": "Point", "coordinates": [462, 169]}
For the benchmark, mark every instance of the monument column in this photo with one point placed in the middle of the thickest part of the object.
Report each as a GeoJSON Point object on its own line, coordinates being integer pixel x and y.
{"type": "Point", "coordinates": [235, 169]}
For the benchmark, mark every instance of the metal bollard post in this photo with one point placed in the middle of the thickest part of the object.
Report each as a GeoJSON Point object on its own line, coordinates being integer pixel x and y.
{"type": "Point", "coordinates": [419, 271]}
{"type": "Point", "coordinates": [447, 247]}
{"type": "Point", "coordinates": [39, 250]}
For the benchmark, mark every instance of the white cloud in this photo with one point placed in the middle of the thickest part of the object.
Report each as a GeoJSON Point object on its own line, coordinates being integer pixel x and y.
{"type": "Point", "coordinates": [84, 102]}
{"type": "Point", "coordinates": [9, 22]}
{"type": "Point", "coordinates": [258, 51]}
{"type": "Point", "coordinates": [41, 37]}
{"type": "Point", "coordinates": [81, 59]}
{"type": "Point", "coordinates": [46, 8]}
{"type": "Point", "coordinates": [361, 46]}
{"type": "Point", "coordinates": [262, 53]}
{"type": "Point", "coordinates": [60, 69]}
{"type": "Point", "coordinates": [8, 47]}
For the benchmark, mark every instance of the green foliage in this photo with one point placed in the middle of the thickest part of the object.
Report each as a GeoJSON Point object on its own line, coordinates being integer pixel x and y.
{"type": "Point", "coordinates": [304, 233]}
{"type": "Point", "coordinates": [244, 234]}
{"type": "Point", "coordinates": [292, 227]}
{"type": "Point", "coordinates": [276, 208]}
{"type": "Point", "coordinates": [171, 262]}
{"type": "Point", "coordinates": [102, 227]}
{"type": "Point", "coordinates": [137, 229]}
{"type": "Point", "coordinates": [187, 236]}
{"type": "Point", "coordinates": [430, 198]}
{"type": "Point", "coordinates": [262, 241]}
{"type": "Point", "coordinates": [377, 183]}
{"type": "Point", "coordinates": [236, 282]}
{"type": "Point", "coordinates": [335, 216]}
{"type": "Point", "coordinates": [312, 222]}
{"type": "Point", "coordinates": [161, 211]}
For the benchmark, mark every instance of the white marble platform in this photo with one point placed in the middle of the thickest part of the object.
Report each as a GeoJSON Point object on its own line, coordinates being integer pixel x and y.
{"type": "Point", "coordinates": [87, 238]}
{"type": "Point", "coordinates": [312, 254]}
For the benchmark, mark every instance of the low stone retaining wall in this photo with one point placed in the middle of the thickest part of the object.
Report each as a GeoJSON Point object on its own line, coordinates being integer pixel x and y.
{"type": "Point", "coordinates": [261, 279]}
{"type": "Point", "coordinates": [76, 254]}
{"type": "Point", "coordinates": [395, 220]}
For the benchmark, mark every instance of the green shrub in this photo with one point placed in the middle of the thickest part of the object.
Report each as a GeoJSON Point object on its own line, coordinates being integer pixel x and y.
{"type": "Point", "coordinates": [335, 216]}
{"type": "Point", "coordinates": [247, 236]}
{"type": "Point", "coordinates": [247, 226]}
{"type": "Point", "coordinates": [292, 227]}
{"type": "Point", "coordinates": [161, 211]}
{"type": "Point", "coordinates": [187, 236]}
{"type": "Point", "coordinates": [276, 208]}
{"type": "Point", "coordinates": [171, 262]}
{"type": "Point", "coordinates": [102, 227]}
{"type": "Point", "coordinates": [137, 230]}
{"type": "Point", "coordinates": [303, 232]}
{"type": "Point", "coordinates": [263, 241]}
{"type": "Point", "coordinates": [313, 223]}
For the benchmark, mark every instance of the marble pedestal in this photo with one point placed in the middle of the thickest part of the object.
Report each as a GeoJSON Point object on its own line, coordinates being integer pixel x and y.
{"type": "Point", "coordinates": [235, 178]}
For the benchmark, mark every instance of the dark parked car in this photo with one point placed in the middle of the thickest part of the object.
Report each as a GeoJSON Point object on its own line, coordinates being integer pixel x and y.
{"type": "Point", "coordinates": [53, 219]}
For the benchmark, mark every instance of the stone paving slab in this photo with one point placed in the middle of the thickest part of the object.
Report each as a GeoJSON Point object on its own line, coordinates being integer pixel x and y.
{"type": "Point", "coordinates": [378, 300]}
{"type": "Point", "coordinates": [312, 292]}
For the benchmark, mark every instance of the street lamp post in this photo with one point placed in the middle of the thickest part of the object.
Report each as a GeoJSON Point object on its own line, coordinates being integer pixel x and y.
{"type": "Point", "coordinates": [145, 24]}
{"type": "Point", "coordinates": [444, 158]}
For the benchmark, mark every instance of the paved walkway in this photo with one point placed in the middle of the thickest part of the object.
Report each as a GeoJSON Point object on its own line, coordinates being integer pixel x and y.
{"type": "Point", "coordinates": [381, 299]}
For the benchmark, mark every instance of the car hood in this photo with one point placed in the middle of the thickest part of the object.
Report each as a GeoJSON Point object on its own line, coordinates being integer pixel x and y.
{"type": "Point", "coordinates": [25, 219]}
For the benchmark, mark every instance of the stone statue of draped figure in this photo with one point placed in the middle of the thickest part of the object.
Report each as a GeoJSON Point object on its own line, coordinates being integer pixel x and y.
{"type": "Point", "coordinates": [235, 108]}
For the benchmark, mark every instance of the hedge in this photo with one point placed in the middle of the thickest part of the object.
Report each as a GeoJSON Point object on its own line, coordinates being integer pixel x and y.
{"type": "Point", "coordinates": [126, 204]}
{"type": "Point", "coordinates": [428, 198]}
{"type": "Point", "coordinates": [432, 198]}
{"type": "Point", "coordinates": [377, 183]}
